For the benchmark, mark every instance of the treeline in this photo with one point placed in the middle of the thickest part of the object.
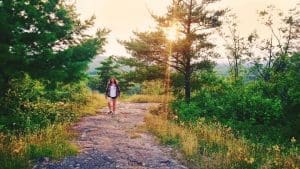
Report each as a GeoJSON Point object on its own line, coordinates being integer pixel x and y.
{"type": "Point", "coordinates": [44, 55]}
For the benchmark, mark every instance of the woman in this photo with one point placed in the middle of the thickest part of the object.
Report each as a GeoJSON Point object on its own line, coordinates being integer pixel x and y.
{"type": "Point", "coordinates": [112, 92]}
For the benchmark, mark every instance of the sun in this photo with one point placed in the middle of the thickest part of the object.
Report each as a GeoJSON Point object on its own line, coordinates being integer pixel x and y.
{"type": "Point", "coordinates": [172, 32]}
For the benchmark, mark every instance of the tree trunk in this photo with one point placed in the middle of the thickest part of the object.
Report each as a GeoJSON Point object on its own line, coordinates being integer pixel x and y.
{"type": "Point", "coordinates": [188, 72]}
{"type": "Point", "coordinates": [236, 70]}
{"type": "Point", "coordinates": [187, 82]}
{"type": "Point", "coordinates": [187, 88]}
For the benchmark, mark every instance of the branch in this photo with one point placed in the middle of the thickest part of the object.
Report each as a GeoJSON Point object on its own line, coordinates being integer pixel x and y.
{"type": "Point", "coordinates": [278, 40]}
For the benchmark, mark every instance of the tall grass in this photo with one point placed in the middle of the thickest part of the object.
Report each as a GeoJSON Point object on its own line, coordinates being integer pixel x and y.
{"type": "Point", "coordinates": [144, 98]}
{"type": "Point", "coordinates": [20, 151]}
{"type": "Point", "coordinates": [214, 146]}
{"type": "Point", "coordinates": [52, 142]}
{"type": "Point", "coordinates": [93, 101]}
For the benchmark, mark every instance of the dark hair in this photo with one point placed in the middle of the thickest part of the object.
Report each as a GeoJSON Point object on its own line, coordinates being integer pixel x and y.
{"type": "Point", "coordinates": [112, 80]}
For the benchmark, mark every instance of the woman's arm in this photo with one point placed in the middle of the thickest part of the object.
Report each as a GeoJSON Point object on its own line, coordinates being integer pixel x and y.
{"type": "Point", "coordinates": [107, 91]}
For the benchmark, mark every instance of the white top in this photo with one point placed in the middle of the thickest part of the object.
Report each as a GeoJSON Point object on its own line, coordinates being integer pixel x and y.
{"type": "Point", "coordinates": [113, 91]}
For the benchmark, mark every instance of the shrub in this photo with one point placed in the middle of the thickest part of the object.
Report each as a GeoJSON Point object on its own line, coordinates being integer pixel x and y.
{"type": "Point", "coordinates": [24, 107]}
{"type": "Point", "coordinates": [29, 105]}
{"type": "Point", "coordinates": [239, 106]}
{"type": "Point", "coordinates": [186, 112]}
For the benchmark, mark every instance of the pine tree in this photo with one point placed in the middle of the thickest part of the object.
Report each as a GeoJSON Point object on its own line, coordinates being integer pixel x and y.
{"type": "Point", "coordinates": [195, 22]}
{"type": "Point", "coordinates": [46, 40]}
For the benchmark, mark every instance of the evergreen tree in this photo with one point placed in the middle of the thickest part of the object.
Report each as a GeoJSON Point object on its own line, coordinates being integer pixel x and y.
{"type": "Point", "coordinates": [195, 22]}
{"type": "Point", "coordinates": [46, 40]}
{"type": "Point", "coordinates": [139, 71]}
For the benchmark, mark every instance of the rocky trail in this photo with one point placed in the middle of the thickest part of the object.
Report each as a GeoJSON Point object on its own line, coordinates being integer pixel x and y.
{"type": "Point", "coordinates": [116, 141]}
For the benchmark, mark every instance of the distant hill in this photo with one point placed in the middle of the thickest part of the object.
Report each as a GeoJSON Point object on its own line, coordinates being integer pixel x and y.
{"type": "Point", "coordinates": [222, 69]}
{"type": "Point", "coordinates": [95, 63]}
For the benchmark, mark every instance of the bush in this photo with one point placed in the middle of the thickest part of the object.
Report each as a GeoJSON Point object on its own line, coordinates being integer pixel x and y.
{"type": "Point", "coordinates": [29, 105]}
{"type": "Point", "coordinates": [236, 105]}
{"type": "Point", "coordinates": [186, 112]}
{"type": "Point", "coordinates": [24, 107]}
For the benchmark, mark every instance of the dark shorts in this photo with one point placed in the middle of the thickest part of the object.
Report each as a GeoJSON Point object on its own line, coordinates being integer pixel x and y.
{"type": "Point", "coordinates": [112, 97]}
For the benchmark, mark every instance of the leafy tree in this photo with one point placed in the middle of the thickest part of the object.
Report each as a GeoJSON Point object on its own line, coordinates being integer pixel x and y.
{"type": "Point", "coordinates": [239, 48]}
{"type": "Point", "coordinates": [284, 40]}
{"type": "Point", "coordinates": [44, 54]}
{"type": "Point", "coordinates": [194, 21]}
{"type": "Point", "coordinates": [46, 40]}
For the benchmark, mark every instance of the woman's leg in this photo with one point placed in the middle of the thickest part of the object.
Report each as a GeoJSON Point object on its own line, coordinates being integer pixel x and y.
{"type": "Point", "coordinates": [114, 104]}
{"type": "Point", "coordinates": [109, 104]}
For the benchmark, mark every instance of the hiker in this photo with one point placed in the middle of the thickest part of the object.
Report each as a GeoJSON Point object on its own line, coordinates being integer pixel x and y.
{"type": "Point", "coordinates": [112, 92]}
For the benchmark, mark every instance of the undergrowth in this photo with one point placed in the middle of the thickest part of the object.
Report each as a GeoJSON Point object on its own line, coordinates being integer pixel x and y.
{"type": "Point", "coordinates": [211, 145]}
{"type": "Point", "coordinates": [21, 150]}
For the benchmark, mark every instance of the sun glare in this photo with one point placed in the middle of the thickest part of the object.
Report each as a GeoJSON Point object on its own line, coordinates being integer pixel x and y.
{"type": "Point", "coordinates": [172, 32]}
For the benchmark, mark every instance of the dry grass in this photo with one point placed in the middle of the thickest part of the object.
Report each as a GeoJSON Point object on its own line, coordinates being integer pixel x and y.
{"type": "Point", "coordinates": [170, 133]}
{"type": "Point", "coordinates": [214, 146]}
{"type": "Point", "coordinates": [94, 101]}
{"type": "Point", "coordinates": [52, 142]}
{"type": "Point", "coordinates": [144, 98]}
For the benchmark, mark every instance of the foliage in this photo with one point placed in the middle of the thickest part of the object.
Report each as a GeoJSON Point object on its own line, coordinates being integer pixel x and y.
{"type": "Point", "coordinates": [194, 21]}
{"type": "Point", "coordinates": [44, 54]}
{"type": "Point", "coordinates": [239, 49]}
{"type": "Point", "coordinates": [251, 114]}
{"type": "Point", "coordinates": [24, 107]}
{"type": "Point", "coordinates": [134, 89]}
{"type": "Point", "coordinates": [93, 82]}
{"type": "Point", "coordinates": [284, 40]}
{"type": "Point", "coordinates": [249, 108]}
{"type": "Point", "coordinates": [19, 150]}
{"type": "Point", "coordinates": [46, 40]}
{"type": "Point", "coordinates": [52, 142]}
{"type": "Point", "coordinates": [212, 145]}
{"type": "Point", "coordinates": [28, 106]}
{"type": "Point", "coordinates": [139, 71]}
{"type": "Point", "coordinates": [178, 79]}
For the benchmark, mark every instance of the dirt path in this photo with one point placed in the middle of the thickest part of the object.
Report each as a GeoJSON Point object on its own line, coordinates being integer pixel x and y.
{"type": "Point", "coordinates": [117, 141]}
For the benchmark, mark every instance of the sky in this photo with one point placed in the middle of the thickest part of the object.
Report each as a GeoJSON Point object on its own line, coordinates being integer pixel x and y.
{"type": "Point", "coordinates": [123, 17]}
